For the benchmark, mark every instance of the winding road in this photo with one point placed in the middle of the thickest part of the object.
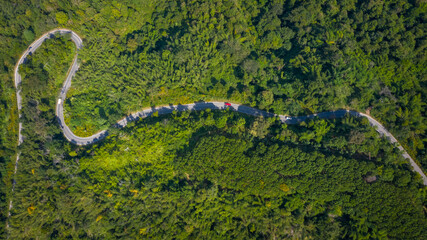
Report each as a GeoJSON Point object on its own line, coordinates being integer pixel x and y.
{"type": "Point", "coordinates": [169, 109]}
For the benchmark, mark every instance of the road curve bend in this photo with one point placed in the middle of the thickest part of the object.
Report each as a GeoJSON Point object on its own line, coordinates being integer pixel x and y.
{"type": "Point", "coordinates": [169, 109]}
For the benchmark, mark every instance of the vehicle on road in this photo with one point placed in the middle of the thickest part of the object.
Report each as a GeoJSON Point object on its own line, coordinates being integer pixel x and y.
{"type": "Point", "coordinates": [237, 107]}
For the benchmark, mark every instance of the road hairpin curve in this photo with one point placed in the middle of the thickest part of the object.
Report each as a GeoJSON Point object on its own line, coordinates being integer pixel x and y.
{"type": "Point", "coordinates": [70, 136]}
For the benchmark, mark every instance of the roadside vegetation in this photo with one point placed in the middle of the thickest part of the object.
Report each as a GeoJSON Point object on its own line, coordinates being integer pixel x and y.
{"type": "Point", "coordinates": [292, 57]}
{"type": "Point", "coordinates": [218, 174]}
{"type": "Point", "coordinates": [251, 177]}
{"type": "Point", "coordinates": [288, 57]}
{"type": "Point", "coordinates": [207, 174]}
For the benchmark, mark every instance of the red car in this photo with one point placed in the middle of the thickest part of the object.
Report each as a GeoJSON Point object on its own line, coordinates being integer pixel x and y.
{"type": "Point", "coordinates": [227, 104]}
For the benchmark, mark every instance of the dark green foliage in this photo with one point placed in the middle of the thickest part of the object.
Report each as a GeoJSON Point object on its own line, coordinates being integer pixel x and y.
{"type": "Point", "coordinates": [42, 76]}
{"type": "Point", "coordinates": [208, 175]}
{"type": "Point", "coordinates": [294, 58]}
{"type": "Point", "coordinates": [8, 141]}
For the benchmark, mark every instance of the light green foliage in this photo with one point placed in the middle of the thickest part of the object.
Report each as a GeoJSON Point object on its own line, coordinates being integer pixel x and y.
{"type": "Point", "coordinates": [260, 127]}
{"type": "Point", "coordinates": [28, 35]}
{"type": "Point", "coordinates": [204, 175]}
{"type": "Point", "coordinates": [61, 18]}
{"type": "Point", "coordinates": [293, 57]}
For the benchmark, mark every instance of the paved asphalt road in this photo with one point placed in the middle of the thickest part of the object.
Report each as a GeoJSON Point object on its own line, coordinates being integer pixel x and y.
{"type": "Point", "coordinates": [169, 109]}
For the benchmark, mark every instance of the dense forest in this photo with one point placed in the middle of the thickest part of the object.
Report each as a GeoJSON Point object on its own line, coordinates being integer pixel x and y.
{"type": "Point", "coordinates": [208, 174]}
{"type": "Point", "coordinates": [291, 58]}
{"type": "Point", "coordinates": [216, 174]}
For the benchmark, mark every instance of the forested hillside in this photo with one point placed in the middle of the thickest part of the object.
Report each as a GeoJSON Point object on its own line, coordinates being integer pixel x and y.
{"type": "Point", "coordinates": [43, 74]}
{"type": "Point", "coordinates": [208, 174]}
{"type": "Point", "coordinates": [216, 174]}
{"type": "Point", "coordinates": [293, 57]}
